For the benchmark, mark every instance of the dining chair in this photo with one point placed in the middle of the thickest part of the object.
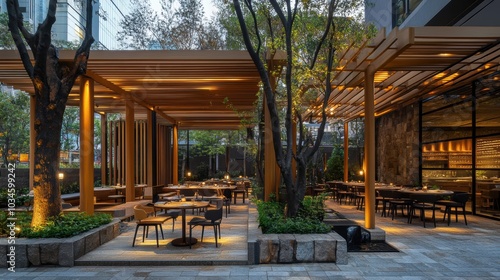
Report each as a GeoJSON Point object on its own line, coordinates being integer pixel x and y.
{"type": "Point", "coordinates": [240, 189]}
{"type": "Point", "coordinates": [144, 220]}
{"type": "Point", "coordinates": [424, 202]}
{"type": "Point", "coordinates": [212, 218]}
{"type": "Point", "coordinates": [458, 199]}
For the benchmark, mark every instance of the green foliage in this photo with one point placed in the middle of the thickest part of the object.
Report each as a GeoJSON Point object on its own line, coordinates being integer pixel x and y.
{"type": "Point", "coordinates": [62, 226]}
{"type": "Point", "coordinates": [70, 188]}
{"type": "Point", "coordinates": [14, 123]}
{"type": "Point", "coordinates": [335, 164]}
{"type": "Point", "coordinates": [21, 197]}
{"type": "Point", "coordinates": [272, 219]}
{"type": "Point", "coordinates": [6, 41]}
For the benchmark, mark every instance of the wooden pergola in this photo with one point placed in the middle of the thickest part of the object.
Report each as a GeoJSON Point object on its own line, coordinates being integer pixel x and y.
{"type": "Point", "coordinates": [210, 89]}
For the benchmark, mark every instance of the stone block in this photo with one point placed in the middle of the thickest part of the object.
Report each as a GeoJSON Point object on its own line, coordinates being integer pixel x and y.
{"type": "Point", "coordinates": [34, 254]}
{"type": "Point", "coordinates": [286, 248]}
{"type": "Point", "coordinates": [324, 250]}
{"type": "Point", "coordinates": [304, 251]}
{"type": "Point", "coordinates": [269, 248]}
{"type": "Point", "coordinates": [376, 234]}
{"type": "Point", "coordinates": [3, 255]}
{"type": "Point", "coordinates": [92, 241]}
{"type": "Point", "coordinates": [78, 248]}
{"type": "Point", "coordinates": [21, 255]}
{"type": "Point", "coordinates": [49, 253]}
{"type": "Point", "coordinates": [116, 229]}
{"type": "Point", "coordinates": [106, 234]}
{"type": "Point", "coordinates": [66, 254]}
{"type": "Point", "coordinates": [340, 248]}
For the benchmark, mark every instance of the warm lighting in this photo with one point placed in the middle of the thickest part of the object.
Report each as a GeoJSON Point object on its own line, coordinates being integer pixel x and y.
{"type": "Point", "coordinates": [61, 176]}
{"type": "Point", "coordinates": [361, 172]}
{"type": "Point", "coordinates": [188, 174]}
{"type": "Point", "coordinates": [226, 176]}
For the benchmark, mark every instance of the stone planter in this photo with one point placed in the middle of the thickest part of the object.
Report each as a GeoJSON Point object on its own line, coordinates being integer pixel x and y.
{"type": "Point", "coordinates": [56, 251]}
{"type": "Point", "coordinates": [292, 248]}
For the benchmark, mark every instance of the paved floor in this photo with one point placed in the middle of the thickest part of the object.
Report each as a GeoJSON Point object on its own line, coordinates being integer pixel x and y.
{"type": "Point", "coordinates": [445, 252]}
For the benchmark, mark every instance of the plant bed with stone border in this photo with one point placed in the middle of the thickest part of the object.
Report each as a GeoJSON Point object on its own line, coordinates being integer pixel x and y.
{"type": "Point", "coordinates": [55, 251]}
{"type": "Point", "coordinates": [292, 248]}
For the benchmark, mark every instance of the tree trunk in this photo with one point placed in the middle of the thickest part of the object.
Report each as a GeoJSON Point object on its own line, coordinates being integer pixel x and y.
{"type": "Point", "coordinates": [48, 124]}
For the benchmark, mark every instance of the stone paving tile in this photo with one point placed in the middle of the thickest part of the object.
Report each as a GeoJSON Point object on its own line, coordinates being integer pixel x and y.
{"type": "Point", "coordinates": [454, 252]}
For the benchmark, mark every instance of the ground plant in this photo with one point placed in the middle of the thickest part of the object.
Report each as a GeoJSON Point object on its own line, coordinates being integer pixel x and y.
{"type": "Point", "coordinates": [62, 226]}
{"type": "Point", "coordinates": [272, 218]}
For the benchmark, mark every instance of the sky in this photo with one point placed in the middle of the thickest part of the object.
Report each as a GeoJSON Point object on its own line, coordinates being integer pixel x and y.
{"type": "Point", "coordinates": [207, 5]}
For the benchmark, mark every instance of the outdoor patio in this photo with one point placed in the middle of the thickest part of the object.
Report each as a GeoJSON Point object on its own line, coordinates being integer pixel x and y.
{"type": "Point", "coordinates": [455, 250]}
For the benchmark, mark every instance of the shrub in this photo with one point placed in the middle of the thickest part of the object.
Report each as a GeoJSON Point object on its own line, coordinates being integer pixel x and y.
{"type": "Point", "coordinates": [62, 226]}
{"type": "Point", "coordinates": [272, 219]}
{"type": "Point", "coordinates": [21, 196]}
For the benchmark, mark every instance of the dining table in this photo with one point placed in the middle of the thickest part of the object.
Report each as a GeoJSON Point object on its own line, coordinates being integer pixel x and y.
{"type": "Point", "coordinates": [218, 188]}
{"type": "Point", "coordinates": [426, 192]}
{"type": "Point", "coordinates": [182, 205]}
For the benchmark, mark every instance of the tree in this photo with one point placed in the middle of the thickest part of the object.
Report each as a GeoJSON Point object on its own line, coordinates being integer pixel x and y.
{"type": "Point", "coordinates": [14, 123]}
{"type": "Point", "coordinates": [52, 82]}
{"type": "Point", "coordinates": [180, 25]}
{"type": "Point", "coordinates": [309, 34]}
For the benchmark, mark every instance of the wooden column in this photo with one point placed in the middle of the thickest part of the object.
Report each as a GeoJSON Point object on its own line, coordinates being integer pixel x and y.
{"type": "Point", "coordinates": [129, 151]}
{"type": "Point", "coordinates": [346, 151]}
{"type": "Point", "coordinates": [104, 149]}
{"type": "Point", "coordinates": [175, 155]}
{"type": "Point", "coordinates": [151, 152]}
{"type": "Point", "coordinates": [369, 148]}
{"type": "Point", "coordinates": [87, 146]}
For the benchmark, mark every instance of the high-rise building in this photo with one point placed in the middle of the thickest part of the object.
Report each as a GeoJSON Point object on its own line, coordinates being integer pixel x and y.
{"type": "Point", "coordinates": [71, 18]}
{"type": "Point", "coordinates": [406, 13]}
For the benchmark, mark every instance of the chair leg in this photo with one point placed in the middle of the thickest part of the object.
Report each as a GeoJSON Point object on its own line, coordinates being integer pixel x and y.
{"type": "Point", "coordinates": [190, 235]}
{"type": "Point", "coordinates": [157, 241]}
{"type": "Point", "coordinates": [173, 224]}
{"type": "Point", "coordinates": [215, 235]}
{"type": "Point", "coordinates": [135, 235]}
{"type": "Point", "coordinates": [202, 231]}
{"type": "Point", "coordinates": [144, 232]}
{"type": "Point", "coordinates": [161, 229]}
{"type": "Point", "coordinates": [463, 211]}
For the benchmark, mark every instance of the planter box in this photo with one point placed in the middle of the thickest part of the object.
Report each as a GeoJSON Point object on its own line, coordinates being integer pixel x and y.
{"type": "Point", "coordinates": [293, 248]}
{"type": "Point", "coordinates": [56, 251]}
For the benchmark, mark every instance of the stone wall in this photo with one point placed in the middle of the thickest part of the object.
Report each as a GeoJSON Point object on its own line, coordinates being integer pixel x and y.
{"type": "Point", "coordinates": [56, 251]}
{"type": "Point", "coordinates": [398, 146]}
{"type": "Point", "coordinates": [293, 248]}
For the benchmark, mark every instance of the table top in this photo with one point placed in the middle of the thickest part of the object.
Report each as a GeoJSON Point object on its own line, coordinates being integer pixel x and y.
{"type": "Point", "coordinates": [181, 204]}
{"type": "Point", "coordinates": [433, 192]}
{"type": "Point", "coordinates": [197, 187]}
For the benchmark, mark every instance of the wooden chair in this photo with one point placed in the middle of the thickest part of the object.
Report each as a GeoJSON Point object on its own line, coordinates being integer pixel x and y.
{"type": "Point", "coordinates": [144, 220]}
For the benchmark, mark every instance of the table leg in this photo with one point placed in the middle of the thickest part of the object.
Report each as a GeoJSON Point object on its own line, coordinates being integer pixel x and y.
{"type": "Point", "coordinates": [183, 241]}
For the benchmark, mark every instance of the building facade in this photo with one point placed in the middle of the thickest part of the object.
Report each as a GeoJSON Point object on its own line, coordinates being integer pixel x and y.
{"type": "Point", "coordinates": [71, 18]}
{"type": "Point", "coordinates": [452, 140]}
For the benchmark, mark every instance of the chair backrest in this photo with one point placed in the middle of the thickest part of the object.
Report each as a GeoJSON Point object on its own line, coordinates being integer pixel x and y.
{"type": "Point", "coordinates": [187, 192]}
{"type": "Point", "coordinates": [139, 213]}
{"type": "Point", "coordinates": [460, 197]}
{"type": "Point", "coordinates": [214, 215]}
{"type": "Point", "coordinates": [147, 209]}
{"type": "Point", "coordinates": [208, 192]}
{"type": "Point", "coordinates": [217, 202]}
{"type": "Point", "coordinates": [384, 193]}
{"type": "Point", "coordinates": [425, 198]}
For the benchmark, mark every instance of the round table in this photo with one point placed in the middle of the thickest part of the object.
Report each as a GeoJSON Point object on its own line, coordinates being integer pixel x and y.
{"type": "Point", "coordinates": [431, 192]}
{"type": "Point", "coordinates": [182, 205]}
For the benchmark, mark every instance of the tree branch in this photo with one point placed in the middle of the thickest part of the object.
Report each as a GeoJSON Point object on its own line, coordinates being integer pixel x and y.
{"type": "Point", "coordinates": [14, 12]}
